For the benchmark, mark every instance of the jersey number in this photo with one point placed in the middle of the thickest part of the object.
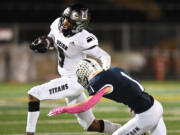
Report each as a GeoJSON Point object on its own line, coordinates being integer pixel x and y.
{"type": "Point", "coordinates": [128, 77]}
{"type": "Point", "coordinates": [61, 57]}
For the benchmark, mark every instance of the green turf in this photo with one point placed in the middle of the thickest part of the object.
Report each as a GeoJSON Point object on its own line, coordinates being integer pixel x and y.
{"type": "Point", "coordinates": [13, 110]}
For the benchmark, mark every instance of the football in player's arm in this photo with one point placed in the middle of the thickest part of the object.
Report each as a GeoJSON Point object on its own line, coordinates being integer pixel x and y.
{"type": "Point", "coordinates": [117, 84]}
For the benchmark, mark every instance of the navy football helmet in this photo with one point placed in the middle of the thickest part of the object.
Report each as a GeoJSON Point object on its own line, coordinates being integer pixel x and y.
{"type": "Point", "coordinates": [74, 19]}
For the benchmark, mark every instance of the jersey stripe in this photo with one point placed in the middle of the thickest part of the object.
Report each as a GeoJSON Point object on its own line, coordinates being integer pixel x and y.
{"type": "Point", "coordinates": [125, 75]}
{"type": "Point", "coordinates": [90, 47]}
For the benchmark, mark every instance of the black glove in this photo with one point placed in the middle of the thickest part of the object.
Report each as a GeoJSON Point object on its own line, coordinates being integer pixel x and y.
{"type": "Point", "coordinates": [40, 44]}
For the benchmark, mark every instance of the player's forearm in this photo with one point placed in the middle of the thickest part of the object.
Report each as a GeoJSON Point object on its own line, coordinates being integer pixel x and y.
{"type": "Point", "coordinates": [80, 107]}
{"type": "Point", "coordinates": [86, 105]}
{"type": "Point", "coordinates": [102, 55]}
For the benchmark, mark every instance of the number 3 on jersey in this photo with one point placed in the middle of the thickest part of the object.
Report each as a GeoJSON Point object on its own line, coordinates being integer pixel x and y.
{"type": "Point", "coordinates": [61, 57]}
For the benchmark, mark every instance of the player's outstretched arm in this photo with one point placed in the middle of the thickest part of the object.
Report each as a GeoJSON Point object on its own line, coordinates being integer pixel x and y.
{"type": "Point", "coordinates": [82, 106]}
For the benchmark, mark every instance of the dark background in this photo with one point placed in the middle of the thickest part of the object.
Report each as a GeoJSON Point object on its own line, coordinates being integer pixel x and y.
{"type": "Point", "coordinates": [130, 30]}
{"type": "Point", "coordinates": [22, 11]}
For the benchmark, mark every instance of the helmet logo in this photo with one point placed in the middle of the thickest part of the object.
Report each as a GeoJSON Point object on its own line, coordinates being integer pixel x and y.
{"type": "Point", "coordinates": [84, 14]}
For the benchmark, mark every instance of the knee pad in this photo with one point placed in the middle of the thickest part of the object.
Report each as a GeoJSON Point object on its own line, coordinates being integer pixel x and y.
{"type": "Point", "coordinates": [33, 106]}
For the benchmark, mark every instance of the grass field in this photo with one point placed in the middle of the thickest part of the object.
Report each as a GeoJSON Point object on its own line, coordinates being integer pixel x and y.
{"type": "Point", "coordinates": [13, 110]}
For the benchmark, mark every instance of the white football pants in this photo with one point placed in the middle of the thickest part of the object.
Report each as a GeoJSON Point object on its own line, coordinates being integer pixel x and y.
{"type": "Point", "coordinates": [65, 87]}
{"type": "Point", "coordinates": [150, 120]}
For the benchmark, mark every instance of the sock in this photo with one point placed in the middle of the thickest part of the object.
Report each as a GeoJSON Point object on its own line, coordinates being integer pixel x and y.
{"type": "Point", "coordinates": [110, 127]}
{"type": "Point", "coordinates": [31, 121]}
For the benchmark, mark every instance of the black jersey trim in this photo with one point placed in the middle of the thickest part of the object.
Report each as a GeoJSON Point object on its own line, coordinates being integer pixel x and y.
{"type": "Point", "coordinates": [90, 47]}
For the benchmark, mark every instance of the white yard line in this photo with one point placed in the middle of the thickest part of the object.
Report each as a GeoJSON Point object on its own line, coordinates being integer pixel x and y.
{"type": "Point", "coordinates": [82, 133]}
{"type": "Point", "coordinates": [60, 121]}
{"type": "Point", "coordinates": [63, 133]}
{"type": "Point", "coordinates": [173, 131]}
{"type": "Point", "coordinates": [174, 111]}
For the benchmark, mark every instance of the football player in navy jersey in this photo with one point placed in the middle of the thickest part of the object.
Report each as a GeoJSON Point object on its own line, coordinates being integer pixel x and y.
{"type": "Point", "coordinates": [117, 84]}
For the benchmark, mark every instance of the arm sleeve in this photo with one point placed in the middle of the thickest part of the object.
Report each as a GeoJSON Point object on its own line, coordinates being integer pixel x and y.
{"type": "Point", "coordinates": [100, 54]}
{"type": "Point", "coordinates": [90, 47]}
{"type": "Point", "coordinates": [80, 107]}
{"type": "Point", "coordinates": [88, 44]}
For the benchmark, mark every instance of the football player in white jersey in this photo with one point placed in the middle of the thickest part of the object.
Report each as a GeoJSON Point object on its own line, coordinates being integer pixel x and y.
{"type": "Point", "coordinates": [73, 43]}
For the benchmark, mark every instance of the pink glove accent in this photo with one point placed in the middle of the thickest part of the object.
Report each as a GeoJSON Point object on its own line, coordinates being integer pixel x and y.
{"type": "Point", "coordinates": [58, 110]}
{"type": "Point", "coordinates": [78, 108]}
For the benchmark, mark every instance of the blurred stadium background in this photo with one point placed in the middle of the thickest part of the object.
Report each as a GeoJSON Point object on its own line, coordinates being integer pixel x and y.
{"type": "Point", "coordinates": [142, 36]}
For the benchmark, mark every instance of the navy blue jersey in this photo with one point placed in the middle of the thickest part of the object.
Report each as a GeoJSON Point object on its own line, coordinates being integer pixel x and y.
{"type": "Point", "coordinates": [126, 90]}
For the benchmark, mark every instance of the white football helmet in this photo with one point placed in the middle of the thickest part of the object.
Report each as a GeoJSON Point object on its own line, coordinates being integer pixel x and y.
{"type": "Point", "coordinates": [86, 69]}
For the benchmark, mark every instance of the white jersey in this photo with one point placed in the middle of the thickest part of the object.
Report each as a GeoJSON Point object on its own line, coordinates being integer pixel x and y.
{"type": "Point", "coordinates": [73, 49]}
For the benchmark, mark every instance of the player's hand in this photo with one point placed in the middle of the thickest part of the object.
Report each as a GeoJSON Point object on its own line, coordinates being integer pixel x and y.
{"type": "Point", "coordinates": [56, 111]}
{"type": "Point", "coordinates": [36, 43]}
{"type": "Point", "coordinates": [39, 44]}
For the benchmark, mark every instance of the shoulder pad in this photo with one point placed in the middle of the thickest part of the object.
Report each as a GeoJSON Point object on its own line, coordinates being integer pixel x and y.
{"type": "Point", "coordinates": [54, 24]}
{"type": "Point", "coordinates": [87, 40]}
